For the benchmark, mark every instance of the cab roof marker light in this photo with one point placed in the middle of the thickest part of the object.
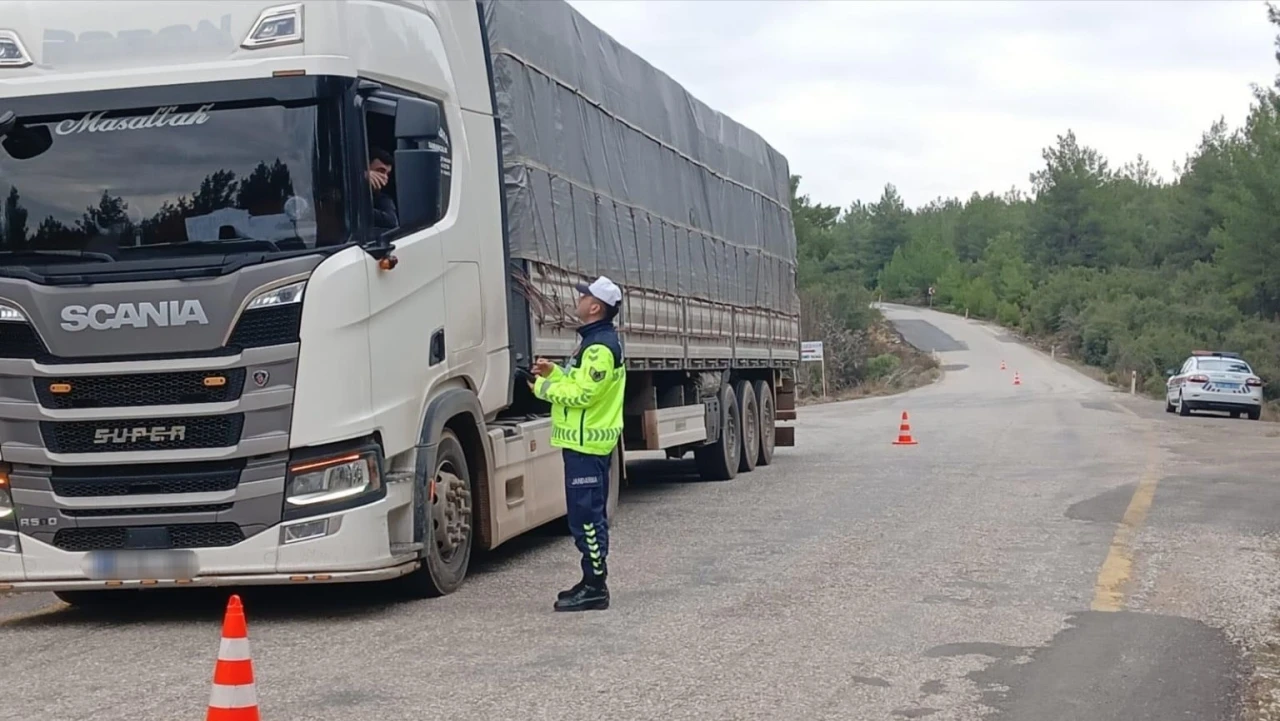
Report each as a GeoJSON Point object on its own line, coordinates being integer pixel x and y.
{"type": "Point", "coordinates": [10, 314]}
{"type": "Point", "coordinates": [13, 54]}
{"type": "Point", "coordinates": [280, 25]}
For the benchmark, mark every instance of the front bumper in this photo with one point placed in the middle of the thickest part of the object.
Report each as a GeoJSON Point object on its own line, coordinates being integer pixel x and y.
{"type": "Point", "coordinates": [358, 549]}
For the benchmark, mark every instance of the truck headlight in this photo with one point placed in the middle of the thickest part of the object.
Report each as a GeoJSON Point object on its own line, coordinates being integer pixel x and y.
{"type": "Point", "coordinates": [284, 295]}
{"type": "Point", "coordinates": [332, 479]}
{"type": "Point", "coordinates": [8, 514]}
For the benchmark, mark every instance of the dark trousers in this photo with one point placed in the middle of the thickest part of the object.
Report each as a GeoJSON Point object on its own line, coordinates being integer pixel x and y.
{"type": "Point", "coordinates": [586, 493]}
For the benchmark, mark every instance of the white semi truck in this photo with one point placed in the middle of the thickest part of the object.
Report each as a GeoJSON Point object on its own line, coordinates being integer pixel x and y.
{"type": "Point", "coordinates": [224, 362]}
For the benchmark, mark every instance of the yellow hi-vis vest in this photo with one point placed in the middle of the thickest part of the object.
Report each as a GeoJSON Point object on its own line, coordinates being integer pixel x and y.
{"type": "Point", "coordinates": [586, 402]}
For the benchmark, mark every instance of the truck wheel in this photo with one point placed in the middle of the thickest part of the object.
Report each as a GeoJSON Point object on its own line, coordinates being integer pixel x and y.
{"type": "Point", "coordinates": [750, 427]}
{"type": "Point", "coordinates": [768, 422]}
{"type": "Point", "coordinates": [448, 529]}
{"type": "Point", "coordinates": [718, 461]}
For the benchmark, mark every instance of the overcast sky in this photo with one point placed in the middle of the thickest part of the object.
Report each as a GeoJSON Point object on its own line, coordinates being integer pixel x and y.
{"type": "Point", "coordinates": [945, 98]}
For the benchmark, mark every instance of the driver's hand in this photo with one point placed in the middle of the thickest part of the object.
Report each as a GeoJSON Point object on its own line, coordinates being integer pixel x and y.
{"type": "Point", "coordinates": [377, 179]}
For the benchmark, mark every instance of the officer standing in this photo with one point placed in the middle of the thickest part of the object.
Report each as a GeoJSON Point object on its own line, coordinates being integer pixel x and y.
{"type": "Point", "coordinates": [586, 422]}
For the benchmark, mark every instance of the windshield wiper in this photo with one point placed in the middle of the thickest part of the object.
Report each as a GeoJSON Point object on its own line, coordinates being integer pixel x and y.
{"type": "Point", "coordinates": [65, 256]}
{"type": "Point", "coordinates": [226, 246]}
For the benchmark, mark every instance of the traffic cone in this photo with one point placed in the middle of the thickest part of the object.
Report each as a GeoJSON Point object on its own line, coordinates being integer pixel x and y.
{"type": "Point", "coordinates": [1017, 379]}
{"type": "Point", "coordinates": [1002, 366]}
{"type": "Point", "coordinates": [904, 433]}
{"type": "Point", "coordinates": [234, 696]}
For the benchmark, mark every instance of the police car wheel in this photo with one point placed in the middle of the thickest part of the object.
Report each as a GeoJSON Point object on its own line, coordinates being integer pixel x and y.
{"type": "Point", "coordinates": [1255, 414]}
{"type": "Point", "coordinates": [448, 524]}
{"type": "Point", "coordinates": [1183, 408]}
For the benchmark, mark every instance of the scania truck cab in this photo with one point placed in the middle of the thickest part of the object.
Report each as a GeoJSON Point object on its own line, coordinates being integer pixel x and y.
{"type": "Point", "coordinates": [214, 367]}
{"type": "Point", "coordinates": [218, 364]}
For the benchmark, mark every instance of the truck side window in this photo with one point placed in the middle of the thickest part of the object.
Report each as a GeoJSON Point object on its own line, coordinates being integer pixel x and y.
{"type": "Point", "coordinates": [429, 191]}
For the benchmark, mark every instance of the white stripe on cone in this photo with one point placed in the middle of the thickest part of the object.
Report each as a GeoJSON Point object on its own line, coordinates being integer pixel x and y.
{"type": "Point", "coordinates": [233, 696]}
{"type": "Point", "coordinates": [233, 649]}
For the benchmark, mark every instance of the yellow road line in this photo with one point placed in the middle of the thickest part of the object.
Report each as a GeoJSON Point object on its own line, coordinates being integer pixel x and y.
{"type": "Point", "coordinates": [1117, 569]}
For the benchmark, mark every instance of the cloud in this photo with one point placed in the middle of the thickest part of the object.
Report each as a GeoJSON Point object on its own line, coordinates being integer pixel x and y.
{"type": "Point", "coordinates": [948, 98]}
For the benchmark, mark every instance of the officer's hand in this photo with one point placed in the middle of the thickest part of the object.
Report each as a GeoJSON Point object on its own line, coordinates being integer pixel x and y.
{"type": "Point", "coordinates": [543, 367]}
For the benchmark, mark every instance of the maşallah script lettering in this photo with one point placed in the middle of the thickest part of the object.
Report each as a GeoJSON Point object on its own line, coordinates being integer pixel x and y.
{"type": "Point", "coordinates": [165, 117]}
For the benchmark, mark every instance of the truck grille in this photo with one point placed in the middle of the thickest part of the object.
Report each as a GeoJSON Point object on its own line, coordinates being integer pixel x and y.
{"type": "Point", "coordinates": [19, 340]}
{"type": "Point", "coordinates": [256, 328]}
{"type": "Point", "coordinates": [261, 327]}
{"type": "Point", "coordinates": [112, 538]}
{"type": "Point", "coordinates": [141, 389]}
{"type": "Point", "coordinates": [147, 511]}
{"type": "Point", "coordinates": [95, 481]}
{"type": "Point", "coordinates": [150, 434]}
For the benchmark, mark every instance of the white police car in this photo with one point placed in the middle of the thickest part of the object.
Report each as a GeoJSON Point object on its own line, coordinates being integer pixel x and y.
{"type": "Point", "coordinates": [1214, 381]}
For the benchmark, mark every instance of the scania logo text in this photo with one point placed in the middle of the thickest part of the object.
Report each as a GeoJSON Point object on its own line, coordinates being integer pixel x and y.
{"type": "Point", "coordinates": [133, 315]}
{"type": "Point", "coordinates": [153, 434]}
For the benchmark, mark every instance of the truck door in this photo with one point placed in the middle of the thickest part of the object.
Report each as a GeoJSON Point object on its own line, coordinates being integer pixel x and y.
{"type": "Point", "coordinates": [409, 305]}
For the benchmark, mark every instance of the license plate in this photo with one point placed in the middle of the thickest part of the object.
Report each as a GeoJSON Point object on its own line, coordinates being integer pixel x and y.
{"type": "Point", "coordinates": [140, 565]}
{"type": "Point", "coordinates": [1226, 386]}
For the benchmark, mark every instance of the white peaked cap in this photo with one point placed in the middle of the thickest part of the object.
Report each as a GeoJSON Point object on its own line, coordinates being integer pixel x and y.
{"type": "Point", "coordinates": [603, 290]}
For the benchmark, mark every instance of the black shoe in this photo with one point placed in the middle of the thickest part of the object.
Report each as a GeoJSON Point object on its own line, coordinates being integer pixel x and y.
{"type": "Point", "coordinates": [576, 587]}
{"type": "Point", "coordinates": [591, 597]}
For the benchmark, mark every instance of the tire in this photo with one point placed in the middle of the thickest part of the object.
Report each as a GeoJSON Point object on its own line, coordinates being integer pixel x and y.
{"type": "Point", "coordinates": [1169, 407]}
{"type": "Point", "coordinates": [446, 555]}
{"type": "Point", "coordinates": [1235, 414]}
{"type": "Point", "coordinates": [1255, 414]}
{"type": "Point", "coordinates": [1183, 408]}
{"type": "Point", "coordinates": [768, 422]}
{"type": "Point", "coordinates": [718, 461]}
{"type": "Point", "coordinates": [750, 410]}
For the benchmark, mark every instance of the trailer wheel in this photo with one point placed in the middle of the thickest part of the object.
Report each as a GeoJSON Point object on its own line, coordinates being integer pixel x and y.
{"type": "Point", "coordinates": [768, 422]}
{"type": "Point", "coordinates": [718, 461]}
{"type": "Point", "coordinates": [448, 532]}
{"type": "Point", "coordinates": [750, 410]}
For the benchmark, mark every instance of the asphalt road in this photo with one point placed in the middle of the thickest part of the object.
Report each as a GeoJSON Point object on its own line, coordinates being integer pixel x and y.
{"type": "Point", "coordinates": [1053, 550]}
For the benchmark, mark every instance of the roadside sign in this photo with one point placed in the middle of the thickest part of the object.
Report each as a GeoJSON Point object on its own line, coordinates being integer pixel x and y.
{"type": "Point", "coordinates": [811, 350]}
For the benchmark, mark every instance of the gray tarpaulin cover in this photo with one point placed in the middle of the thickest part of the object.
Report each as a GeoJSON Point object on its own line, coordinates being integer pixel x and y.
{"type": "Point", "coordinates": [612, 167]}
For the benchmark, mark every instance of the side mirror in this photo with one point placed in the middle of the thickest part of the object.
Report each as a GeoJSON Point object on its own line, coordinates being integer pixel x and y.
{"type": "Point", "coordinates": [417, 119]}
{"type": "Point", "coordinates": [417, 187]}
{"type": "Point", "coordinates": [24, 143]}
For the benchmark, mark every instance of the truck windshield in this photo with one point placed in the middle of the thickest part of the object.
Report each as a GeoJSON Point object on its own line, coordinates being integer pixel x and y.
{"type": "Point", "coordinates": [170, 173]}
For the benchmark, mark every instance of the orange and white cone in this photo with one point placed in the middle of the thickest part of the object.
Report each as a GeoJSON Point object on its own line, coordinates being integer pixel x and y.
{"type": "Point", "coordinates": [904, 433]}
{"type": "Point", "coordinates": [234, 696]}
{"type": "Point", "coordinates": [1017, 379]}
